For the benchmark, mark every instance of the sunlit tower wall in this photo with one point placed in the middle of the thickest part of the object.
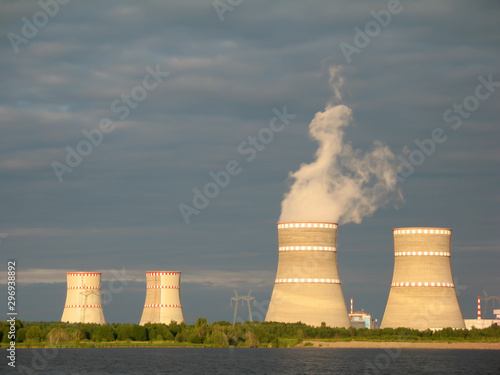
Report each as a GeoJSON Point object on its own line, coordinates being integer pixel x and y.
{"type": "Point", "coordinates": [83, 298]}
{"type": "Point", "coordinates": [422, 294]}
{"type": "Point", "coordinates": [307, 285]}
{"type": "Point", "coordinates": [163, 300]}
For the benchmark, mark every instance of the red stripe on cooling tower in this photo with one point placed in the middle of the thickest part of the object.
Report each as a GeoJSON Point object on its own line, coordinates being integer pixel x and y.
{"type": "Point", "coordinates": [162, 287]}
{"type": "Point", "coordinates": [306, 225]}
{"type": "Point", "coordinates": [161, 273]}
{"type": "Point", "coordinates": [162, 305]}
{"type": "Point", "coordinates": [84, 274]}
{"type": "Point", "coordinates": [84, 287]}
{"type": "Point", "coordinates": [422, 253]}
{"type": "Point", "coordinates": [307, 248]}
{"type": "Point", "coordinates": [312, 281]}
{"type": "Point", "coordinates": [417, 284]}
{"type": "Point", "coordinates": [80, 306]}
{"type": "Point", "coordinates": [421, 231]}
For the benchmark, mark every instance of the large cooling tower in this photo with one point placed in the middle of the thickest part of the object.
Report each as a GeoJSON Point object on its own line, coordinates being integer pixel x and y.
{"type": "Point", "coordinates": [307, 286]}
{"type": "Point", "coordinates": [83, 298]}
{"type": "Point", "coordinates": [422, 292]}
{"type": "Point", "coordinates": [163, 300]}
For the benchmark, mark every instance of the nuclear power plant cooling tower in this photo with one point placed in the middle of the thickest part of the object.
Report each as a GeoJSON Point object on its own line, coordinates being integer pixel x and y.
{"type": "Point", "coordinates": [307, 286]}
{"type": "Point", "coordinates": [422, 292]}
{"type": "Point", "coordinates": [83, 298]}
{"type": "Point", "coordinates": [163, 300]}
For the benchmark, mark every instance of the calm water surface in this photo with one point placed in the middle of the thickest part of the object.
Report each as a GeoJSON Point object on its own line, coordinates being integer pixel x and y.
{"type": "Point", "coordinates": [203, 361]}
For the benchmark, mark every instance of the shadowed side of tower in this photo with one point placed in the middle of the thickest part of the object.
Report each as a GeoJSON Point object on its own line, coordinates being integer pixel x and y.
{"type": "Point", "coordinates": [151, 312]}
{"type": "Point", "coordinates": [307, 285]}
{"type": "Point", "coordinates": [83, 298]}
{"type": "Point", "coordinates": [422, 294]}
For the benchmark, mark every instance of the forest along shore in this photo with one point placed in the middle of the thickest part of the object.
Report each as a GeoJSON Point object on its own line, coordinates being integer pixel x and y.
{"type": "Point", "coordinates": [400, 345]}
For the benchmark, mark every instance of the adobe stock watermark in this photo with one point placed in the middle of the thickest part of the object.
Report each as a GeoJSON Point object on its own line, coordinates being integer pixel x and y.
{"type": "Point", "coordinates": [120, 107]}
{"type": "Point", "coordinates": [115, 286]}
{"type": "Point", "coordinates": [39, 361]}
{"type": "Point", "coordinates": [221, 179]}
{"type": "Point", "coordinates": [431, 312]}
{"type": "Point", "coordinates": [29, 29]}
{"type": "Point", "coordinates": [459, 288]}
{"type": "Point", "coordinates": [383, 360]}
{"type": "Point", "coordinates": [454, 116]}
{"type": "Point", "coordinates": [258, 312]}
{"type": "Point", "coordinates": [372, 29]}
{"type": "Point", "coordinates": [223, 6]}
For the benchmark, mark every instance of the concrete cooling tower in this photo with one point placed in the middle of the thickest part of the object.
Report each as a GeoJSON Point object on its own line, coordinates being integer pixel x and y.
{"type": "Point", "coordinates": [163, 300]}
{"type": "Point", "coordinates": [307, 286]}
{"type": "Point", "coordinates": [83, 298]}
{"type": "Point", "coordinates": [422, 292]}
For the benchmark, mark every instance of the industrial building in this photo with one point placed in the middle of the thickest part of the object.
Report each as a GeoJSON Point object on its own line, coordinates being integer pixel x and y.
{"type": "Point", "coordinates": [361, 319]}
{"type": "Point", "coordinates": [481, 323]}
{"type": "Point", "coordinates": [163, 300]}
{"type": "Point", "coordinates": [422, 294]}
{"type": "Point", "coordinates": [307, 285]}
{"type": "Point", "coordinates": [83, 298]}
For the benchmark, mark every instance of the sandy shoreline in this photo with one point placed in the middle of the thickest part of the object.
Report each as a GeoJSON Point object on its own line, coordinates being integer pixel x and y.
{"type": "Point", "coordinates": [338, 345]}
{"type": "Point", "coordinates": [402, 345]}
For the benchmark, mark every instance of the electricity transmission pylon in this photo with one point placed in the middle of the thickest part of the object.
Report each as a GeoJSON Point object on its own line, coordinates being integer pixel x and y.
{"type": "Point", "coordinates": [248, 299]}
{"type": "Point", "coordinates": [238, 298]}
{"type": "Point", "coordinates": [86, 294]}
{"type": "Point", "coordinates": [487, 299]}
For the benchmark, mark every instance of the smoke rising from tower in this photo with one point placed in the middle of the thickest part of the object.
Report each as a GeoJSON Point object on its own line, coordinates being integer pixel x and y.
{"type": "Point", "coordinates": [342, 184]}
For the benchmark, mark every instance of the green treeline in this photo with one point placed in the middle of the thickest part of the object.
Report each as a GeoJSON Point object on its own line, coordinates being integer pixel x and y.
{"type": "Point", "coordinates": [223, 334]}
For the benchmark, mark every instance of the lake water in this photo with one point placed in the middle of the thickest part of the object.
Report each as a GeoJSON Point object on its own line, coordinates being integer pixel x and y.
{"type": "Point", "coordinates": [202, 361]}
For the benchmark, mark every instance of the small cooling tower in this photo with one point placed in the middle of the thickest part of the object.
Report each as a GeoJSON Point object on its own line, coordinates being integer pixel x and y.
{"type": "Point", "coordinates": [422, 292]}
{"type": "Point", "coordinates": [307, 285]}
{"type": "Point", "coordinates": [83, 298]}
{"type": "Point", "coordinates": [163, 300]}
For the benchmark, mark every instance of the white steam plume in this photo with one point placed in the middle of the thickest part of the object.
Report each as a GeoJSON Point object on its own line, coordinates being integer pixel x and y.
{"type": "Point", "coordinates": [342, 184]}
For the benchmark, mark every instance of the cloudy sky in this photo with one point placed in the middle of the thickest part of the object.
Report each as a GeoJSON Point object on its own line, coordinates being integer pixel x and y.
{"type": "Point", "coordinates": [172, 92]}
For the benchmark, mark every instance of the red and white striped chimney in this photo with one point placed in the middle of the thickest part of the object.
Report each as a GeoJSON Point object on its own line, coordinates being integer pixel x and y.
{"type": "Point", "coordinates": [352, 310]}
{"type": "Point", "coordinates": [479, 307]}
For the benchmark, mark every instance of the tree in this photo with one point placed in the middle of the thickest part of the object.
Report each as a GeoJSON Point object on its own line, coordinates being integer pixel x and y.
{"type": "Point", "coordinates": [195, 337]}
{"type": "Point", "coordinates": [21, 335]}
{"type": "Point", "coordinates": [201, 322]}
{"type": "Point", "coordinates": [179, 338]}
{"type": "Point", "coordinates": [34, 334]}
{"type": "Point", "coordinates": [104, 333]}
{"type": "Point", "coordinates": [124, 332]}
{"type": "Point", "coordinates": [58, 336]}
{"type": "Point", "coordinates": [166, 334]}
{"type": "Point", "coordinates": [5, 335]}
{"type": "Point", "coordinates": [139, 333]}
{"type": "Point", "coordinates": [251, 339]}
{"type": "Point", "coordinates": [217, 338]}
{"type": "Point", "coordinates": [176, 328]}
